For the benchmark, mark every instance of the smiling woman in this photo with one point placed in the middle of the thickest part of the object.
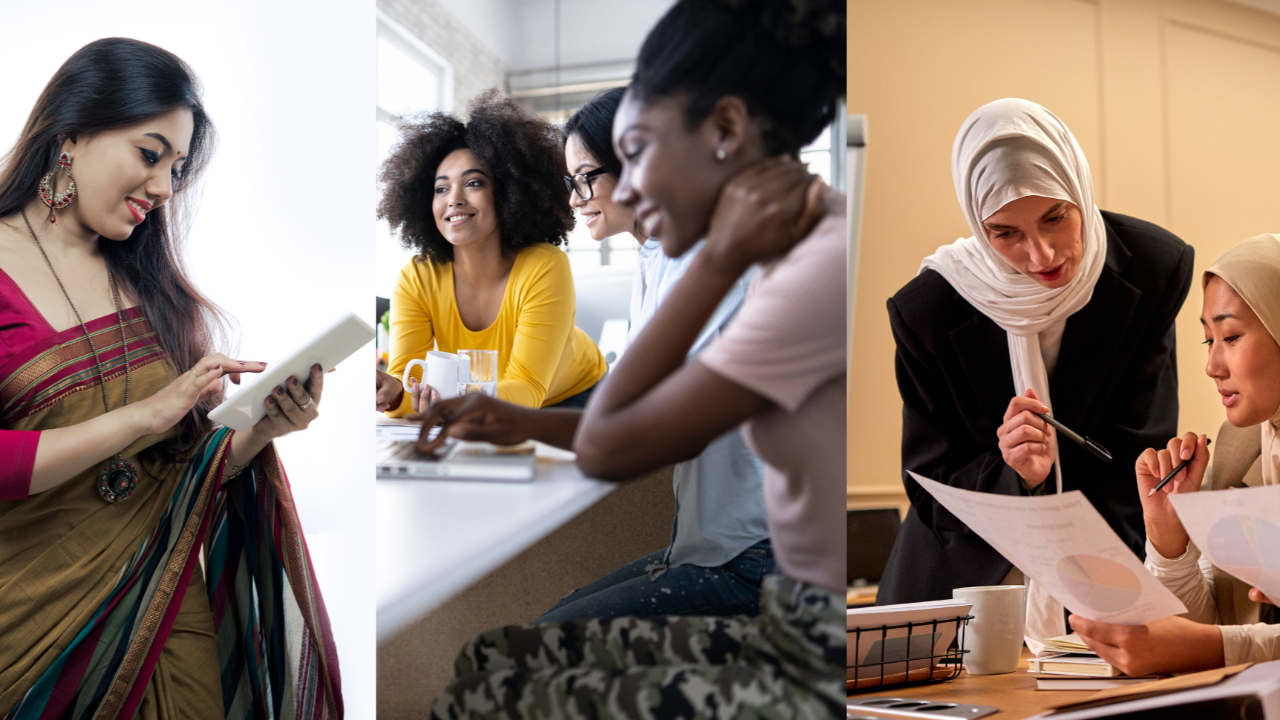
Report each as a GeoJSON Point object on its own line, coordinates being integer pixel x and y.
{"type": "Point", "coordinates": [595, 169]}
{"type": "Point", "coordinates": [484, 205]}
{"type": "Point", "coordinates": [112, 169]}
{"type": "Point", "coordinates": [112, 478]}
{"type": "Point", "coordinates": [726, 93]}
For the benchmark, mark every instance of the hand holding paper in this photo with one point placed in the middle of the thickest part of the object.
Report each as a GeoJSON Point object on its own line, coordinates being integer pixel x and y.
{"type": "Point", "coordinates": [1064, 544]}
{"type": "Point", "coordinates": [1239, 529]}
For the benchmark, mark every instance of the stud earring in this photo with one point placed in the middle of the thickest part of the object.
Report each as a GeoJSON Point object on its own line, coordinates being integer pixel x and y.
{"type": "Point", "coordinates": [720, 154]}
{"type": "Point", "coordinates": [48, 197]}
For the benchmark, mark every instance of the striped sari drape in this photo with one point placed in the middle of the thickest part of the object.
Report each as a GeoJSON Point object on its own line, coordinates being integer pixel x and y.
{"type": "Point", "coordinates": [87, 602]}
{"type": "Point", "coordinates": [276, 651]}
{"type": "Point", "coordinates": [95, 676]}
{"type": "Point", "coordinates": [269, 614]}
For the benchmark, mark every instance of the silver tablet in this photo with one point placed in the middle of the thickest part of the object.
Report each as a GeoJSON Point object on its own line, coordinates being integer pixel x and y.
{"type": "Point", "coordinates": [337, 342]}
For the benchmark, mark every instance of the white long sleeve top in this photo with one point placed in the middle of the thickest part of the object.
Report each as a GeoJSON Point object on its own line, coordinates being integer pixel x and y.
{"type": "Point", "coordinates": [1190, 578]}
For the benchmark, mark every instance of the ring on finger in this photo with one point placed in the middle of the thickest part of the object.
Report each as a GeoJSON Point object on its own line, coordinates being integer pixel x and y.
{"type": "Point", "coordinates": [306, 404]}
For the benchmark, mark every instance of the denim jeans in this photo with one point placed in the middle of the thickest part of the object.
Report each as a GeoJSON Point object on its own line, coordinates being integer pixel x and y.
{"type": "Point", "coordinates": [632, 591]}
{"type": "Point", "coordinates": [579, 401]}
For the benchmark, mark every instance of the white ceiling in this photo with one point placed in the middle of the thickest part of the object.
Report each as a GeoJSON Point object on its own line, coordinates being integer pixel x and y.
{"type": "Point", "coordinates": [522, 32]}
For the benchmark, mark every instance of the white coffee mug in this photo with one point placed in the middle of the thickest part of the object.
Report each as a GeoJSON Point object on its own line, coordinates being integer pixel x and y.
{"type": "Point", "coordinates": [993, 637]}
{"type": "Point", "coordinates": [439, 370]}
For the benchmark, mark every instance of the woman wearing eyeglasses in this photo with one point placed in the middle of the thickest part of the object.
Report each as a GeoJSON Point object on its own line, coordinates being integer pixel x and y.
{"type": "Point", "coordinates": [720, 552]}
{"type": "Point", "coordinates": [485, 206]}
{"type": "Point", "coordinates": [724, 96]}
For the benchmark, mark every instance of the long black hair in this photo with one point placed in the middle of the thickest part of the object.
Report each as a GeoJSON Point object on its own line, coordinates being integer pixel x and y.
{"type": "Point", "coordinates": [111, 83]}
{"type": "Point", "coordinates": [592, 124]}
{"type": "Point", "coordinates": [785, 58]}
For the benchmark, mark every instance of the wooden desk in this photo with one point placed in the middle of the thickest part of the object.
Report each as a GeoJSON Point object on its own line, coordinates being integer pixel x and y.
{"type": "Point", "coordinates": [1014, 693]}
{"type": "Point", "coordinates": [861, 596]}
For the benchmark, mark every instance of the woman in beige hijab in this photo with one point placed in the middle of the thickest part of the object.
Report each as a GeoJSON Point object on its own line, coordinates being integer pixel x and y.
{"type": "Point", "coordinates": [1227, 621]}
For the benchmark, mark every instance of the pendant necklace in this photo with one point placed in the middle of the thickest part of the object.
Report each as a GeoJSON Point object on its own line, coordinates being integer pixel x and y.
{"type": "Point", "coordinates": [118, 477]}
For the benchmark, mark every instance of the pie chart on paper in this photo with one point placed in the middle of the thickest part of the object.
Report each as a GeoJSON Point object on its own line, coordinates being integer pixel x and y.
{"type": "Point", "coordinates": [1247, 547]}
{"type": "Point", "coordinates": [1103, 585]}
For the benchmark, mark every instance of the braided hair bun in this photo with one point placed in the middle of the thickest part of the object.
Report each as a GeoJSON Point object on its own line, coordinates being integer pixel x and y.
{"type": "Point", "coordinates": [785, 58]}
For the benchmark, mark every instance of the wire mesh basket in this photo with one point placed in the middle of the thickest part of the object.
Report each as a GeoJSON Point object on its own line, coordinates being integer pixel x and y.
{"type": "Point", "coordinates": [910, 653]}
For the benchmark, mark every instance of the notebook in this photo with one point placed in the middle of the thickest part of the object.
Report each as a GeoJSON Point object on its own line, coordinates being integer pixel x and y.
{"type": "Point", "coordinates": [1071, 682]}
{"type": "Point", "coordinates": [1071, 664]}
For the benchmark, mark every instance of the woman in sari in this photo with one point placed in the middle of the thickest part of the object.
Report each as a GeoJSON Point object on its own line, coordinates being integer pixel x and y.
{"type": "Point", "coordinates": [113, 479]}
{"type": "Point", "coordinates": [724, 97]}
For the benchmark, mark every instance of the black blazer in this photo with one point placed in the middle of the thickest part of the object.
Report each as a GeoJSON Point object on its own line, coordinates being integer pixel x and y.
{"type": "Point", "coordinates": [1116, 382]}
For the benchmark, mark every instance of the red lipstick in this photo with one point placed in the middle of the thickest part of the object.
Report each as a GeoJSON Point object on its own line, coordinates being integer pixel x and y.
{"type": "Point", "coordinates": [138, 217]}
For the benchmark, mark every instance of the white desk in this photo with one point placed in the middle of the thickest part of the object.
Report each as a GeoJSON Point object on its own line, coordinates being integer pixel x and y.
{"type": "Point", "coordinates": [437, 537]}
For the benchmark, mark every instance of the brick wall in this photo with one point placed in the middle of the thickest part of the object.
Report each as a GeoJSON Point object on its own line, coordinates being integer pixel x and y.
{"type": "Point", "coordinates": [475, 67]}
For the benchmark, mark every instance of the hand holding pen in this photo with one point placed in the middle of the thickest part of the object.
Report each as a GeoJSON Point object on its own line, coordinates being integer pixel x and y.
{"type": "Point", "coordinates": [1026, 439]}
{"type": "Point", "coordinates": [1188, 456]}
{"type": "Point", "coordinates": [1177, 468]}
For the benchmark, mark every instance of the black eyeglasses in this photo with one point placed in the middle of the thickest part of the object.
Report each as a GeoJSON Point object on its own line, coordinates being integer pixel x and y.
{"type": "Point", "coordinates": [581, 183]}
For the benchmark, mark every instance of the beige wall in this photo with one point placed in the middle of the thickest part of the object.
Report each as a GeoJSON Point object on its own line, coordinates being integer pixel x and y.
{"type": "Point", "coordinates": [1176, 103]}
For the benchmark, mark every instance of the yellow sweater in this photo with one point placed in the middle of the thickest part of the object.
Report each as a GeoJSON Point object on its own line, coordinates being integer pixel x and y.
{"type": "Point", "coordinates": [542, 357]}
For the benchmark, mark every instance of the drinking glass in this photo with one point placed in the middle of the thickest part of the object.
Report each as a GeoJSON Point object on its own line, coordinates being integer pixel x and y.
{"type": "Point", "coordinates": [478, 372]}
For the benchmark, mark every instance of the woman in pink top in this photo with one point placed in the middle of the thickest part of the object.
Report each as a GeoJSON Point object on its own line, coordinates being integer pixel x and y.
{"type": "Point", "coordinates": [721, 91]}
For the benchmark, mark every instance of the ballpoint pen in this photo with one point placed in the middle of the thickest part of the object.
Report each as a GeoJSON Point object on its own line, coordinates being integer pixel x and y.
{"type": "Point", "coordinates": [1094, 448]}
{"type": "Point", "coordinates": [1173, 472]}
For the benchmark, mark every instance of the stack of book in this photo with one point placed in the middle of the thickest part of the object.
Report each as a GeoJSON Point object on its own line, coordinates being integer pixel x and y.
{"type": "Point", "coordinates": [1069, 664]}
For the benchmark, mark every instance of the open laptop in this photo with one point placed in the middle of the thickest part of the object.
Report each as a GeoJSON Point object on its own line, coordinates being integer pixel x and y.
{"type": "Point", "coordinates": [456, 460]}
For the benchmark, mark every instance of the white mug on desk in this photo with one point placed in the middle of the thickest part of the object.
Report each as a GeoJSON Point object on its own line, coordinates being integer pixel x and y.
{"type": "Point", "coordinates": [439, 370]}
{"type": "Point", "coordinates": [993, 637]}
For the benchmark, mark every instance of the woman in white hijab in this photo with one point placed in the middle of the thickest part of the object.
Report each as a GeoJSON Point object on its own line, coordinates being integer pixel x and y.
{"type": "Point", "coordinates": [1051, 306]}
{"type": "Point", "coordinates": [1241, 319]}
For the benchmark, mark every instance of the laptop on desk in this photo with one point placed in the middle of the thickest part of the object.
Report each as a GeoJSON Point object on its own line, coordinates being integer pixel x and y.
{"type": "Point", "coordinates": [457, 460]}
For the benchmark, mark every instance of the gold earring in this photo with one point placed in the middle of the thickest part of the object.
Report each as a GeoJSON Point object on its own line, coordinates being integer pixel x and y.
{"type": "Point", "coordinates": [47, 195]}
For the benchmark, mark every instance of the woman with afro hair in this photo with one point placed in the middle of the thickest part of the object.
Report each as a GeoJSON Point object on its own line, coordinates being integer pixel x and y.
{"type": "Point", "coordinates": [484, 204]}
{"type": "Point", "coordinates": [725, 94]}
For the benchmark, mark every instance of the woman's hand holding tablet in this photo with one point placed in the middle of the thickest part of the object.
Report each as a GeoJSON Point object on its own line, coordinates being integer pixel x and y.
{"type": "Point", "coordinates": [292, 407]}
{"type": "Point", "coordinates": [290, 378]}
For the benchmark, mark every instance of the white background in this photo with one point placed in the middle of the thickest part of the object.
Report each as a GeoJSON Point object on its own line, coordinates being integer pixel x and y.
{"type": "Point", "coordinates": [282, 239]}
